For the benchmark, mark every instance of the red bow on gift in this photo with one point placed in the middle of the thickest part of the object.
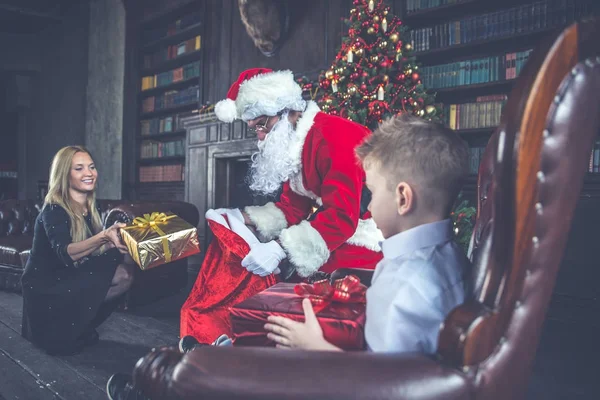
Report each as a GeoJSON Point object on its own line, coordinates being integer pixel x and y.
{"type": "Point", "coordinates": [345, 290]}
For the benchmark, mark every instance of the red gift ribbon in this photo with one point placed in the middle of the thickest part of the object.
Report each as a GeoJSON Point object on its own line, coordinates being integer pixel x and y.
{"type": "Point", "coordinates": [345, 290]}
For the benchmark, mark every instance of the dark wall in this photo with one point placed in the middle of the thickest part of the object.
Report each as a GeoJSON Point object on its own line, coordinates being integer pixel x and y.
{"type": "Point", "coordinates": [58, 91]}
{"type": "Point", "coordinates": [315, 36]}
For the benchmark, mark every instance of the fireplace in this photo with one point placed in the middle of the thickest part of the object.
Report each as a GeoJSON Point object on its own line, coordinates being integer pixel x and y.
{"type": "Point", "coordinates": [217, 165]}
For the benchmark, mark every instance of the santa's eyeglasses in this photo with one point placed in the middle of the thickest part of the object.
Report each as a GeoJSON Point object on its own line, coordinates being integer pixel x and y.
{"type": "Point", "coordinates": [263, 126]}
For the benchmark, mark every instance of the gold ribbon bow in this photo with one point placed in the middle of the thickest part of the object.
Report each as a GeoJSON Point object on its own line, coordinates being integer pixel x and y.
{"type": "Point", "coordinates": [152, 221]}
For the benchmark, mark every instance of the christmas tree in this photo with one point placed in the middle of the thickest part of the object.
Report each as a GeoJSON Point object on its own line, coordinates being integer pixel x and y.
{"type": "Point", "coordinates": [374, 75]}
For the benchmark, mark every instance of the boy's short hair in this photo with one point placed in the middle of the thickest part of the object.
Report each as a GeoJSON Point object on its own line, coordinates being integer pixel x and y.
{"type": "Point", "coordinates": [428, 155]}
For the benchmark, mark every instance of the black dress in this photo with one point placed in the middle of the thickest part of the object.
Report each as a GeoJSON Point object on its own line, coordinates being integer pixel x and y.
{"type": "Point", "coordinates": [62, 299]}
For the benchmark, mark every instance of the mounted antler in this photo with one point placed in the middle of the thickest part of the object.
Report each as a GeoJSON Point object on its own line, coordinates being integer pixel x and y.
{"type": "Point", "coordinates": [267, 23]}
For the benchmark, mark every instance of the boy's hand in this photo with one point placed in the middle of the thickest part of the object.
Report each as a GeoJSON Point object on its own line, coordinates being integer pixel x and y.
{"type": "Point", "coordinates": [307, 335]}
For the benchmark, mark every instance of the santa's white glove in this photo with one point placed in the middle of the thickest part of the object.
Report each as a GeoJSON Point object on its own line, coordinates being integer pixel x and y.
{"type": "Point", "coordinates": [264, 258]}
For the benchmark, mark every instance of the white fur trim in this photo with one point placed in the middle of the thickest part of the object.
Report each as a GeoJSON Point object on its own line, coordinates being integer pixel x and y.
{"type": "Point", "coordinates": [268, 219]}
{"type": "Point", "coordinates": [305, 248]}
{"type": "Point", "coordinates": [303, 126]}
{"type": "Point", "coordinates": [269, 91]}
{"type": "Point", "coordinates": [367, 235]}
{"type": "Point", "coordinates": [297, 186]}
{"type": "Point", "coordinates": [226, 111]}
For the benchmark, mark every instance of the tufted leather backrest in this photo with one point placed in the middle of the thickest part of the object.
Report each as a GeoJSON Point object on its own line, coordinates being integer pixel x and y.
{"type": "Point", "coordinates": [529, 183]}
{"type": "Point", "coordinates": [17, 217]}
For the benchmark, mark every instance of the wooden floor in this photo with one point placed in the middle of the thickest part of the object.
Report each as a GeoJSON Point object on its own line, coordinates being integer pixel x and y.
{"type": "Point", "coordinates": [567, 365]}
{"type": "Point", "coordinates": [29, 374]}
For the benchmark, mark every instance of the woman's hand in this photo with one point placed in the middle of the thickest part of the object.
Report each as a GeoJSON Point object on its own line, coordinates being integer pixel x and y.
{"type": "Point", "coordinates": [111, 235]}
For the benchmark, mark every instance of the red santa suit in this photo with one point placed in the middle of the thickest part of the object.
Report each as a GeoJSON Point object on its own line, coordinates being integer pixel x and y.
{"type": "Point", "coordinates": [330, 177]}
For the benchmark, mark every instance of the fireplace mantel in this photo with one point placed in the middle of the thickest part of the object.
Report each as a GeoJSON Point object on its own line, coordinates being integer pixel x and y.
{"type": "Point", "coordinates": [213, 148]}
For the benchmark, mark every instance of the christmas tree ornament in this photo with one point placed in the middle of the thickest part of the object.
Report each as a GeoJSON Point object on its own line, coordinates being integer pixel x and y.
{"type": "Point", "coordinates": [371, 31]}
{"type": "Point", "coordinates": [384, 25]}
{"type": "Point", "coordinates": [329, 74]}
{"type": "Point", "coordinates": [371, 5]}
{"type": "Point", "coordinates": [408, 46]}
{"type": "Point", "coordinates": [376, 18]}
{"type": "Point", "coordinates": [429, 109]}
{"type": "Point", "coordinates": [394, 37]}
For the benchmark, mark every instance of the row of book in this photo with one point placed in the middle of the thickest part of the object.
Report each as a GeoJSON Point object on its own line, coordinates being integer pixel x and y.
{"type": "Point", "coordinates": [472, 72]}
{"type": "Point", "coordinates": [595, 158]}
{"type": "Point", "coordinates": [485, 112]}
{"type": "Point", "coordinates": [172, 52]}
{"type": "Point", "coordinates": [417, 5]}
{"type": "Point", "coordinates": [525, 18]}
{"type": "Point", "coordinates": [171, 99]}
{"type": "Point", "coordinates": [153, 149]}
{"type": "Point", "coordinates": [188, 71]}
{"type": "Point", "coordinates": [8, 174]}
{"type": "Point", "coordinates": [153, 34]}
{"type": "Point", "coordinates": [162, 173]}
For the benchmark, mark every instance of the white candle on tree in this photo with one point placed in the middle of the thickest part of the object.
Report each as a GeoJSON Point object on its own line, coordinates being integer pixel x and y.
{"type": "Point", "coordinates": [371, 5]}
{"type": "Point", "coordinates": [380, 93]}
{"type": "Point", "coordinates": [350, 56]}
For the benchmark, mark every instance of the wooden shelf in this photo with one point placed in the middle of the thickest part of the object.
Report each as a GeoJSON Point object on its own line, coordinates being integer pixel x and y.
{"type": "Point", "coordinates": [162, 160]}
{"type": "Point", "coordinates": [167, 13]}
{"type": "Point", "coordinates": [165, 135]}
{"type": "Point", "coordinates": [168, 110]}
{"type": "Point", "coordinates": [476, 131]}
{"type": "Point", "coordinates": [500, 86]}
{"type": "Point", "coordinates": [478, 48]}
{"type": "Point", "coordinates": [172, 86]}
{"type": "Point", "coordinates": [187, 33]}
{"type": "Point", "coordinates": [173, 63]}
{"type": "Point", "coordinates": [437, 11]}
{"type": "Point", "coordinates": [167, 184]}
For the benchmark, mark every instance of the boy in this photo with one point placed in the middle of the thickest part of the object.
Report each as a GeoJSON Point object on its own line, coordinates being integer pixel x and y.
{"type": "Point", "coordinates": [414, 170]}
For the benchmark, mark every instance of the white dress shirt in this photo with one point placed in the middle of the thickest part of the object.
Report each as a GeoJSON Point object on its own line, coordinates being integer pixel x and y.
{"type": "Point", "coordinates": [417, 283]}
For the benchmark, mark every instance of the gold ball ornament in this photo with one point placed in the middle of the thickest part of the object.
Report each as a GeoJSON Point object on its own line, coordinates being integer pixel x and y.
{"type": "Point", "coordinates": [429, 109]}
{"type": "Point", "coordinates": [394, 37]}
{"type": "Point", "coordinates": [421, 113]}
{"type": "Point", "coordinates": [352, 89]}
{"type": "Point", "coordinates": [374, 58]}
{"type": "Point", "coordinates": [359, 52]}
{"type": "Point", "coordinates": [339, 71]}
{"type": "Point", "coordinates": [371, 30]}
{"type": "Point", "coordinates": [376, 18]}
{"type": "Point", "coordinates": [408, 46]}
{"type": "Point", "coordinates": [386, 78]}
{"type": "Point", "coordinates": [353, 11]}
{"type": "Point", "coordinates": [383, 44]}
{"type": "Point", "coordinates": [385, 12]}
{"type": "Point", "coordinates": [329, 74]}
{"type": "Point", "coordinates": [408, 71]}
{"type": "Point", "coordinates": [415, 104]}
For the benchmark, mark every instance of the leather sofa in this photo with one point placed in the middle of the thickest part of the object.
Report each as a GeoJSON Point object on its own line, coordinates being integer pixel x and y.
{"type": "Point", "coordinates": [17, 218]}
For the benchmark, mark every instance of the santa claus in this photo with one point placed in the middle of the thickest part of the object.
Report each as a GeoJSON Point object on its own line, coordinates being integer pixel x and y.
{"type": "Point", "coordinates": [312, 154]}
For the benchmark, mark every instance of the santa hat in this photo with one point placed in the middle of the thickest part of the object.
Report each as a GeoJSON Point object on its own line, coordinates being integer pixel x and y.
{"type": "Point", "coordinates": [260, 91]}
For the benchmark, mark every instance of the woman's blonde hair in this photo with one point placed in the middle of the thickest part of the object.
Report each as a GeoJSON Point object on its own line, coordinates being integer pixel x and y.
{"type": "Point", "coordinates": [58, 193]}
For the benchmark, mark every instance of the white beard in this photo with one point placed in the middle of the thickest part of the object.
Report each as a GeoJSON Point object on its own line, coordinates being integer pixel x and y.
{"type": "Point", "coordinates": [272, 164]}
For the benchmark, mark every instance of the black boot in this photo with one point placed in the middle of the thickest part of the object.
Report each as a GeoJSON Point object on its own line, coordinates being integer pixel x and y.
{"type": "Point", "coordinates": [120, 387]}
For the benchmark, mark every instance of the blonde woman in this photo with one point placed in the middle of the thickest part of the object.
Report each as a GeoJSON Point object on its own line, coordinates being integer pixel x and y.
{"type": "Point", "coordinates": [77, 271]}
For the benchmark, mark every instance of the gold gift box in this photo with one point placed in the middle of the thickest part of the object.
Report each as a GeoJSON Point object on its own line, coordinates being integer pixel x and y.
{"type": "Point", "coordinates": [159, 238]}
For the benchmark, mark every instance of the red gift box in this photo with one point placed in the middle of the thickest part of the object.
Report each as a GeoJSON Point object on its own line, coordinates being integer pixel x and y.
{"type": "Point", "coordinates": [342, 322]}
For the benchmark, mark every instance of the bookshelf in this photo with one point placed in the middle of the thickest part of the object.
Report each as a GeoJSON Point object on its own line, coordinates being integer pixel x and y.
{"type": "Point", "coordinates": [168, 71]}
{"type": "Point", "coordinates": [472, 51]}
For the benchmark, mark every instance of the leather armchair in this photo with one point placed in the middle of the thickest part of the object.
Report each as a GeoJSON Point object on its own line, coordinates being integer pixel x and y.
{"type": "Point", "coordinates": [528, 185]}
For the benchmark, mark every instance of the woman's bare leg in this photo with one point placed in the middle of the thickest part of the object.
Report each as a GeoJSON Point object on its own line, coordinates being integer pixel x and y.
{"type": "Point", "coordinates": [121, 281]}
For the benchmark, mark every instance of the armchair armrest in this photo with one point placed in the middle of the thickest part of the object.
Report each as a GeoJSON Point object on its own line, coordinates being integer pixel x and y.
{"type": "Point", "coordinates": [263, 373]}
{"type": "Point", "coordinates": [365, 275]}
